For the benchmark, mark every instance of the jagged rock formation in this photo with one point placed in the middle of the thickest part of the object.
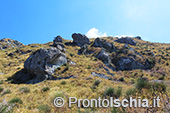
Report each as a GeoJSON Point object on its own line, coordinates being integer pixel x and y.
{"type": "Point", "coordinates": [108, 46]}
{"type": "Point", "coordinates": [40, 66]}
{"type": "Point", "coordinates": [115, 62]}
{"type": "Point", "coordinates": [80, 39]}
{"type": "Point", "coordinates": [45, 61]}
{"type": "Point", "coordinates": [57, 39]}
{"type": "Point", "coordinates": [126, 40]}
{"type": "Point", "coordinates": [6, 43]}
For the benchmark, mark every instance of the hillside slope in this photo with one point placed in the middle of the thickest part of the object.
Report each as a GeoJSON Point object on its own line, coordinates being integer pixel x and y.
{"type": "Point", "coordinates": [111, 62]}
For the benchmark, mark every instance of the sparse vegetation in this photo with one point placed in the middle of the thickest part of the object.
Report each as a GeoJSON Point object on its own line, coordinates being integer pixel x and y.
{"type": "Point", "coordinates": [83, 84]}
{"type": "Point", "coordinates": [6, 92]}
{"type": "Point", "coordinates": [15, 100]}
{"type": "Point", "coordinates": [96, 82]}
{"type": "Point", "coordinates": [24, 90]}
{"type": "Point", "coordinates": [1, 89]}
{"type": "Point", "coordinates": [44, 108]}
{"type": "Point", "coordinates": [63, 82]}
{"type": "Point", "coordinates": [109, 92]}
{"type": "Point", "coordinates": [121, 79]}
{"type": "Point", "coordinates": [45, 89]}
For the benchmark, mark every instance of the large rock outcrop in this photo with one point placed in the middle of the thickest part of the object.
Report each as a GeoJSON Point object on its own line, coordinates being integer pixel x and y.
{"type": "Point", "coordinates": [39, 66]}
{"type": "Point", "coordinates": [108, 46]}
{"type": "Point", "coordinates": [44, 62]}
{"type": "Point", "coordinates": [126, 40]}
{"type": "Point", "coordinates": [80, 39]}
{"type": "Point", "coordinates": [126, 63]}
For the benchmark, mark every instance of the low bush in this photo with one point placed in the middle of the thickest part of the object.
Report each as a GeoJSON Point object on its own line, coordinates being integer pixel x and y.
{"type": "Point", "coordinates": [130, 91]}
{"type": "Point", "coordinates": [24, 90]}
{"type": "Point", "coordinates": [63, 82]}
{"type": "Point", "coordinates": [44, 89]}
{"type": "Point", "coordinates": [109, 92]}
{"type": "Point", "coordinates": [1, 89]}
{"type": "Point", "coordinates": [118, 92]}
{"type": "Point", "coordinates": [141, 83]}
{"type": "Point", "coordinates": [15, 100]}
{"type": "Point", "coordinates": [121, 79]}
{"type": "Point", "coordinates": [6, 92]}
{"type": "Point", "coordinates": [96, 82]}
{"type": "Point", "coordinates": [44, 108]}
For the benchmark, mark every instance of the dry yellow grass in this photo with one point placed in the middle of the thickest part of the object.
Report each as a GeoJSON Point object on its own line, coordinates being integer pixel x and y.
{"type": "Point", "coordinates": [81, 86]}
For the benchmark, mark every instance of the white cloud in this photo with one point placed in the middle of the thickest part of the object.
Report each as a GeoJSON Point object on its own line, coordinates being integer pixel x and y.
{"type": "Point", "coordinates": [120, 36]}
{"type": "Point", "coordinates": [94, 33]}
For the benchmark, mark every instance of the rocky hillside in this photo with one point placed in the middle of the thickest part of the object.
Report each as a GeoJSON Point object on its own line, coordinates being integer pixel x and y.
{"type": "Point", "coordinates": [7, 43]}
{"type": "Point", "coordinates": [74, 67]}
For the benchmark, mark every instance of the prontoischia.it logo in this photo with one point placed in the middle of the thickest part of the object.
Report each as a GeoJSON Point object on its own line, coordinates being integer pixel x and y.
{"type": "Point", "coordinates": [111, 102]}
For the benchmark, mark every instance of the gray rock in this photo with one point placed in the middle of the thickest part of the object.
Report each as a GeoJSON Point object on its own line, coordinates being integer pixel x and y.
{"type": "Point", "coordinates": [126, 40]}
{"type": "Point", "coordinates": [57, 39]}
{"type": "Point", "coordinates": [100, 75]}
{"type": "Point", "coordinates": [158, 81]}
{"type": "Point", "coordinates": [99, 43]}
{"type": "Point", "coordinates": [138, 37]}
{"type": "Point", "coordinates": [72, 63]}
{"type": "Point", "coordinates": [83, 49]}
{"type": "Point", "coordinates": [126, 46]}
{"type": "Point", "coordinates": [126, 63]}
{"type": "Point", "coordinates": [108, 72]}
{"type": "Point", "coordinates": [60, 48]}
{"type": "Point", "coordinates": [11, 54]}
{"type": "Point", "coordinates": [34, 46]}
{"type": "Point", "coordinates": [104, 56]}
{"type": "Point", "coordinates": [43, 62]}
{"type": "Point", "coordinates": [80, 39]}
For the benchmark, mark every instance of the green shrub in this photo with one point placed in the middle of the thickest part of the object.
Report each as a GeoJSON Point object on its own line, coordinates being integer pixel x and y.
{"type": "Point", "coordinates": [71, 54]}
{"type": "Point", "coordinates": [63, 82]}
{"type": "Point", "coordinates": [133, 81]}
{"type": "Point", "coordinates": [6, 108]}
{"type": "Point", "coordinates": [160, 87]}
{"type": "Point", "coordinates": [15, 100]}
{"type": "Point", "coordinates": [24, 90]}
{"type": "Point", "coordinates": [118, 92]}
{"type": "Point", "coordinates": [58, 94]}
{"type": "Point", "coordinates": [89, 67]}
{"type": "Point", "coordinates": [1, 82]}
{"type": "Point", "coordinates": [118, 110]}
{"type": "Point", "coordinates": [121, 79]}
{"type": "Point", "coordinates": [44, 108]}
{"type": "Point", "coordinates": [1, 89]}
{"type": "Point", "coordinates": [141, 83]}
{"type": "Point", "coordinates": [130, 92]}
{"type": "Point", "coordinates": [96, 82]}
{"type": "Point", "coordinates": [95, 59]}
{"type": "Point", "coordinates": [44, 89]}
{"type": "Point", "coordinates": [93, 87]}
{"type": "Point", "coordinates": [161, 78]}
{"type": "Point", "coordinates": [6, 92]}
{"type": "Point", "coordinates": [109, 92]}
{"type": "Point", "coordinates": [167, 64]}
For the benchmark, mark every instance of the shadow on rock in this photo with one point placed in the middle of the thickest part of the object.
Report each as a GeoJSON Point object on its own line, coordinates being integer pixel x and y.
{"type": "Point", "coordinates": [23, 77]}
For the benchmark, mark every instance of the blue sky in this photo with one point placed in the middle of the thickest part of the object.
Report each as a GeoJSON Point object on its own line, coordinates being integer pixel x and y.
{"type": "Point", "coordinates": [39, 21]}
